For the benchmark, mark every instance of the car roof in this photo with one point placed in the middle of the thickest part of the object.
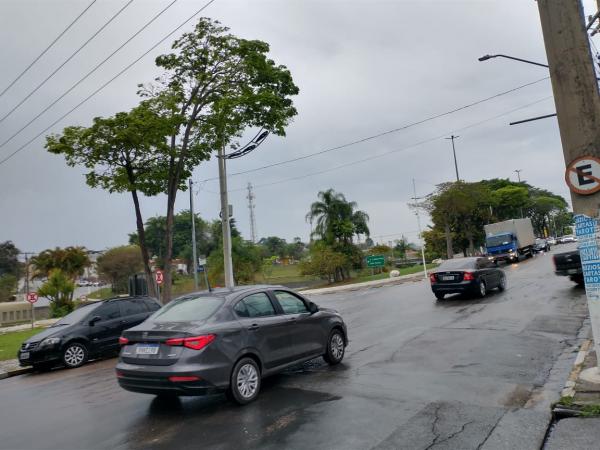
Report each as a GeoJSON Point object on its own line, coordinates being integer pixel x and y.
{"type": "Point", "coordinates": [235, 292]}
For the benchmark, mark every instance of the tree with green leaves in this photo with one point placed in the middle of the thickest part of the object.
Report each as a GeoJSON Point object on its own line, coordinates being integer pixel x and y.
{"type": "Point", "coordinates": [325, 262]}
{"type": "Point", "coordinates": [123, 153]}
{"type": "Point", "coordinates": [59, 290]}
{"type": "Point", "coordinates": [117, 264]}
{"type": "Point", "coordinates": [156, 233]}
{"type": "Point", "coordinates": [71, 261]}
{"type": "Point", "coordinates": [215, 85]}
{"type": "Point", "coordinates": [336, 219]}
{"type": "Point", "coordinates": [246, 258]}
{"type": "Point", "coordinates": [10, 269]}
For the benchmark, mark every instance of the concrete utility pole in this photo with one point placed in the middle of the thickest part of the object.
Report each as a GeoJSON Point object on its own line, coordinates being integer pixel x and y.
{"type": "Point", "coordinates": [194, 256]}
{"type": "Point", "coordinates": [251, 207]}
{"type": "Point", "coordinates": [452, 138]}
{"type": "Point", "coordinates": [419, 228]}
{"type": "Point", "coordinates": [228, 264]}
{"type": "Point", "coordinates": [578, 111]}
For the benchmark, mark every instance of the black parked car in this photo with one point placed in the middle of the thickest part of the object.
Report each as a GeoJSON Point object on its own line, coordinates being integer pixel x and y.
{"type": "Point", "coordinates": [227, 341]}
{"type": "Point", "coordinates": [467, 275]}
{"type": "Point", "coordinates": [87, 332]}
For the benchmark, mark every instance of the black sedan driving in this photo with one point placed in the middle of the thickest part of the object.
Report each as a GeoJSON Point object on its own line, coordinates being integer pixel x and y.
{"type": "Point", "coordinates": [475, 276]}
{"type": "Point", "coordinates": [228, 341]}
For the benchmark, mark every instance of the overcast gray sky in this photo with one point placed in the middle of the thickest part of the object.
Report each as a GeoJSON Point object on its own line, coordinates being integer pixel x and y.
{"type": "Point", "coordinates": [363, 67]}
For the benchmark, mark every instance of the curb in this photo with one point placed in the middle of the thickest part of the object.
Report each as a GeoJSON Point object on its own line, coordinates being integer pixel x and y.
{"type": "Point", "coordinates": [569, 389]}
{"type": "Point", "coordinates": [365, 284]}
{"type": "Point", "coordinates": [15, 372]}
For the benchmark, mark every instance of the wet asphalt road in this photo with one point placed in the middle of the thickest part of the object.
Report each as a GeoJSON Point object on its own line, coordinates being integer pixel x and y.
{"type": "Point", "coordinates": [457, 374]}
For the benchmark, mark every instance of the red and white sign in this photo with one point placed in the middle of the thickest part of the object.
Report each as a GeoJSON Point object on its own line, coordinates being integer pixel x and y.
{"type": "Point", "coordinates": [32, 297]}
{"type": "Point", "coordinates": [159, 276]}
{"type": "Point", "coordinates": [583, 175]}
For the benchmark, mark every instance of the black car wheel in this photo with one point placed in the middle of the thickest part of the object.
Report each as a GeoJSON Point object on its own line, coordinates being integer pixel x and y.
{"type": "Point", "coordinates": [439, 295]}
{"type": "Point", "coordinates": [335, 348]}
{"type": "Point", "coordinates": [502, 284]}
{"type": "Point", "coordinates": [482, 289]}
{"type": "Point", "coordinates": [245, 381]}
{"type": "Point", "coordinates": [74, 355]}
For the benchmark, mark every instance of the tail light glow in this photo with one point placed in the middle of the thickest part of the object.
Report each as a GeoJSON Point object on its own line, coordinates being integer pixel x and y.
{"type": "Point", "coordinates": [123, 340]}
{"type": "Point", "coordinates": [195, 343]}
{"type": "Point", "coordinates": [468, 276]}
{"type": "Point", "coordinates": [432, 277]}
{"type": "Point", "coordinates": [181, 379]}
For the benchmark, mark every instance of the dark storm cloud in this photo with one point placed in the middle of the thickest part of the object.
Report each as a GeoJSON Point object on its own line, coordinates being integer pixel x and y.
{"type": "Point", "coordinates": [363, 67]}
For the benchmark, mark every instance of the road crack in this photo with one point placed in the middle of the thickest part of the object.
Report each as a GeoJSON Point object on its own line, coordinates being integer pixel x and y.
{"type": "Point", "coordinates": [491, 431]}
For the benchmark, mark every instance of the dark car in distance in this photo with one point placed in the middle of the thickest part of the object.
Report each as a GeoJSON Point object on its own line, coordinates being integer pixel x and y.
{"type": "Point", "coordinates": [90, 331]}
{"type": "Point", "coordinates": [227, 341]}
{"type": "Point", "coordinates": [475, 276]}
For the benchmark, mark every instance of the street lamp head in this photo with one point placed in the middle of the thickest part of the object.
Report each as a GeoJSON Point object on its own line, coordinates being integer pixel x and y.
{"type": "Point", "coordinates": [485, 57]}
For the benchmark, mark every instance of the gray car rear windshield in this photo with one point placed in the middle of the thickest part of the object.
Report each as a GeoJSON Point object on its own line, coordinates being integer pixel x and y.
{"type": "Point", "coordinates": [457, 264]}
{"type": "Point", "coordinates": [188, 309]}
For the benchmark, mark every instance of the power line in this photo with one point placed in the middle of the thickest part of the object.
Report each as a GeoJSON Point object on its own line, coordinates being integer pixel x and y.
{"type": "Point", "coordinates": [368, 138]}
{"type": "Point", "coordinates": [370, 158]}
{"type": "Point", "coordinates": [66, 61]}
{"type": "Point", "coordinates": [47, 48]}
{"type": "Point", "coordinates": [64, 94]}
{"type": "Point", "coordinates": [105, 84]}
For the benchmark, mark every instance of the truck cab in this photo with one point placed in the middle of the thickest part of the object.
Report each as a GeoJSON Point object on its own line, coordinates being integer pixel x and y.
{"type": "Point", "coordinates": [502, 247]}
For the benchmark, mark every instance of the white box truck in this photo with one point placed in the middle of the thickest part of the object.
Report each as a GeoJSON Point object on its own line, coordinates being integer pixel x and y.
{"type": "Point", "coordinates": [511, 240]}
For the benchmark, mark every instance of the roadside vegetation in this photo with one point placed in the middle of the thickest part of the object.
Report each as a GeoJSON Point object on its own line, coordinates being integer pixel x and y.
{"type": "Point", "coordinates": [10, 342]}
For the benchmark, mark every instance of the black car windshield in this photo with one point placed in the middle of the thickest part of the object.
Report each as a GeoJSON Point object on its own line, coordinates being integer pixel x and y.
{"type": "Point", "coordinates": [457, 264]}
{"type": "Point", "coordinates": [494, 241]}
{"type": "Point", "coordinates": [77, 315]}
{"type": "Point", "coordinates": [188, 309]}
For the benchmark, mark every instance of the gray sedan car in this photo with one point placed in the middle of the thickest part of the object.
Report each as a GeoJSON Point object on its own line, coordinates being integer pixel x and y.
{"type": "Point", "coordinates": [227, 341]}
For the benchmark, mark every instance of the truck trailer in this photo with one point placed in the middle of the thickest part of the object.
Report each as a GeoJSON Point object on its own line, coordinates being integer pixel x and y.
{"type": "Point", "coordinates": [511, 240]}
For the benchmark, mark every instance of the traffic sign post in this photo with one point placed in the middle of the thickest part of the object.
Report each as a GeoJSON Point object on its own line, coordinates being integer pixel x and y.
{"type": "Point", "coordinates": [375, 261]}
{"type": "Point", "coordinates": [32, 297]}
{"type": "Point", "coordinates": [159, 277]}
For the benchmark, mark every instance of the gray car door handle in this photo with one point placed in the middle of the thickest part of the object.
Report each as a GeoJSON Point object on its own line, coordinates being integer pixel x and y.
{"type": "Point", "coordinates": [253, 327]}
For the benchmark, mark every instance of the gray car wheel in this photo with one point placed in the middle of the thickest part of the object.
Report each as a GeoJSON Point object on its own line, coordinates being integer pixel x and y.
{"type": "Point", "coordinates": [245, 381]}
{"type": "Point", "coordinates": [74, 355]}
{"type": "Point", "coordinates": [335, 348]}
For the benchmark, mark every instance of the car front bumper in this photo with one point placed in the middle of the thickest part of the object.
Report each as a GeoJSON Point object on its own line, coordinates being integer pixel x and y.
{"type": "Point", "coordinates": [39, 356]}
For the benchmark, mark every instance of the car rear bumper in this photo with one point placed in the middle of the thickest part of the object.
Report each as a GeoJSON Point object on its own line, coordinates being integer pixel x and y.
{"type": "Point", "coordinates": [155, 379]}
{"type": "Point", "coordinates": [455, 288]}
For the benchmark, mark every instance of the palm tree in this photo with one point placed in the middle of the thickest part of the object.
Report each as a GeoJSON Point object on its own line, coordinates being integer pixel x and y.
{"type": "Point", "coordinates": [336, 218]}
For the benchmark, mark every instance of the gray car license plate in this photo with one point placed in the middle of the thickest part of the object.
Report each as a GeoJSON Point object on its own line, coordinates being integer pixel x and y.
{"type": "Point", "coordinates": [25, 355]}
{"type": "Point", "coordinates": [147, 349]}
{"type": "Point", "coordinates": [447, 278]}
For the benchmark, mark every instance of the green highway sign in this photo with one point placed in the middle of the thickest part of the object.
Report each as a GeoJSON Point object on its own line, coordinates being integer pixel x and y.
{"type": "Point", "coordinates": [375, 261]}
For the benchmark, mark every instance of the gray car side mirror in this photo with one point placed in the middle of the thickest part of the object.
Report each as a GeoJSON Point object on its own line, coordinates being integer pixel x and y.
{"type": "Point", "coordinates": [313, 308]}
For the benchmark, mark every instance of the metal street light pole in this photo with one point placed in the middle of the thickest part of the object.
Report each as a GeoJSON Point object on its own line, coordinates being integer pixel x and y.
{"type": "Point", "coordinates": [419, 228]}
{"type": "Point", "coordinates": [228, 264]}
{"type": "Point", "coordinates": [486, 57]}
{"type": "Point", "coordinates": [194, 256]}
{"type": "Point", "coordinates": [454, 153]}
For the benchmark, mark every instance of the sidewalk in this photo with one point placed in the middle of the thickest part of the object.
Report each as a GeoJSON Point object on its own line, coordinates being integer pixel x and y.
{"type": "Point", "coordinates": [366, 284]}
{"type": "Point", "coordinates": [578, 411]}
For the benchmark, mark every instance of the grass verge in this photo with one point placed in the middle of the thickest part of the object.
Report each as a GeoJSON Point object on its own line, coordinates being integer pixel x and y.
{"type": "Point", "coordinates": [10, 342]}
